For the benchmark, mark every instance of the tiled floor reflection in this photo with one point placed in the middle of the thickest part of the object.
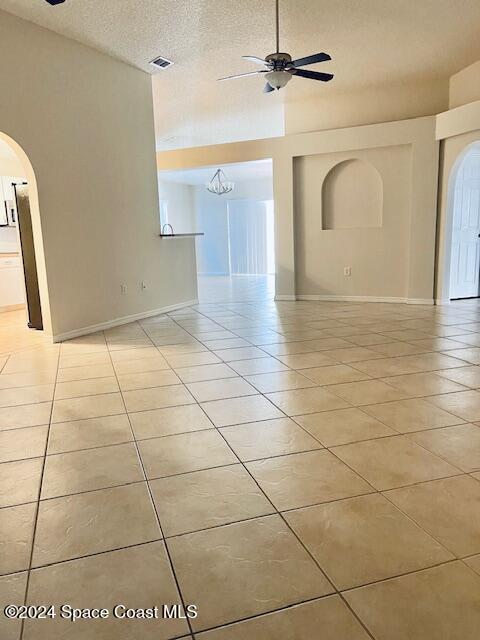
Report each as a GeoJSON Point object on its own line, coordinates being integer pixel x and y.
{"type": "Point", "coordinates": [297, 470]}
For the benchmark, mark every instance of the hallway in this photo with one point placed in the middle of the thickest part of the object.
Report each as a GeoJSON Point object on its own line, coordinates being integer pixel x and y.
{"type": "Point", "coordinates": [285, 467]}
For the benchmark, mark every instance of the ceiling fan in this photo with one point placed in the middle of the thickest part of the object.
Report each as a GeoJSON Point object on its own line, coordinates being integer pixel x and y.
{"type": "Point", "coordinates": [54, 2]}
{"type": "Point", "coordinates": [279, 67]}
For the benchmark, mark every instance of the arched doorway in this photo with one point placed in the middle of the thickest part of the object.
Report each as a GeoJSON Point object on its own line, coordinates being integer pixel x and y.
{"type": "Point", "coordinates": [465, 209]}
{"type": "Point", "coordinates": [23, 278]}
{"type": "Point", "coordinates": [458, 242]}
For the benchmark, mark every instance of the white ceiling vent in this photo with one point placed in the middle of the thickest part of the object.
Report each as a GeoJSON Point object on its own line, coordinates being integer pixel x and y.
{"type": "Point", "coordinates": [161, 63]}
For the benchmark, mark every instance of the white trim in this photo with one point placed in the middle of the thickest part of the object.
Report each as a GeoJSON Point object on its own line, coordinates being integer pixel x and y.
{"type": "Point", "coordinates": [75, 333]}
{"type": "Point", "coordinates": [333, 298]}
{"type": "Point", "coordinates": [286, 298]}
{"type": "Point", "coordinates": [429, 301]}
{"type": "Point", "coordinates": [442, 301]}
{"type": "Point", "coordinates": [445, 230]}
{"type": "Point", "coordinates": [462, 119]}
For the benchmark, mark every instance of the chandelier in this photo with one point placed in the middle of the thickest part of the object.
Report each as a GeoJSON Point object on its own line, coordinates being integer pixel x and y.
{"type": "Point", "coordinates": [219, 184]}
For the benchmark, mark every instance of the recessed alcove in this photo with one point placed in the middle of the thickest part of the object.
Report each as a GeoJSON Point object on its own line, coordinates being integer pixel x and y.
{"type": "Point", "coordinates": [352, 196]}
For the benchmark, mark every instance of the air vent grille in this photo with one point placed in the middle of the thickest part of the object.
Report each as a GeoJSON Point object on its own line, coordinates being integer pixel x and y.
{"type": "Point", "coordinates": [161, 63]}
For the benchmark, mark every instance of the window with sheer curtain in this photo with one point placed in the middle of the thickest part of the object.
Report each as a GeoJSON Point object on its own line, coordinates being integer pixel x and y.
{"type": "Point", "coordinates": [250, 235]}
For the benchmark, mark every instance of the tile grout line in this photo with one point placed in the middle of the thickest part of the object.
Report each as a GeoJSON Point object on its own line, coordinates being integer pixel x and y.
{"type": "Point", "coordinates": [241, 424]}
{"type": "Point", "coordinates": [375, 491]}
{"type": "Point", "coordinates": [381, 492]}
{"type": "Point", "coordinates": [299, 425]}
{"type": "Point", "coordinates": [37, 510]}
{"type": "Point", "coordinates": [153, 505]}
{"type": "Point", "coordinates": [278, 513]}
{"type": "Point", "coordinates": [352, 364]}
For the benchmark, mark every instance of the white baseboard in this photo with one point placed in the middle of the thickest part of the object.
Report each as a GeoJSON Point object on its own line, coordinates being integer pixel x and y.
{"type": "Point", "coordinates": [429, 301]}
{"type": "Point", "coordinates": [383, 299]}
{"type": "Point", "coordinates": [286, 298]}
{"type": "Point", "coordinates": [333, 298]}
{"type": "Point", "coordinates": [75, 333]}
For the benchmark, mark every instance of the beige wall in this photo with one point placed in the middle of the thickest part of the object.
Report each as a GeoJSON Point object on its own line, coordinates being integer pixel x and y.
{"type": "Point", "coordinates": [9, 163]}
{"type": "Point", "coordinates": [85, 122]}
{"type": "Point", "coordinates": [465, 86]}
{"type": "Point", "coordinates": [180, 200]}
{"type": "Point", "coordinates": [377, 256]}
{"type": "Point", "coordinates": [415, 282]}
{"type": "Point", "coordinates": [367, 106]}
{"type": "Point", "coordinates": [351, 193]}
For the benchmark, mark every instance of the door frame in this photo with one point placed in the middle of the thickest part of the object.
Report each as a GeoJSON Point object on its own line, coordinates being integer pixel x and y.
{"type": "Point", "coordinates": [445, 230]}
{"type": "Point", "coordinates": [27, 251]}
{"type": "Point", "coordinates": [461, 216]}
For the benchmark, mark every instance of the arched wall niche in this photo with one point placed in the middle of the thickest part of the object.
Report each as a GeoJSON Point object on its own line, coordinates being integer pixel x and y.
{"type": "Point", "coordinates": [352, 196]}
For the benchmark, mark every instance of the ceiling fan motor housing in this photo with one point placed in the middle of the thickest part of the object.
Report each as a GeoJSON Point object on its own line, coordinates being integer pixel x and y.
{"type": "Point", "coordinates": [278, 61]}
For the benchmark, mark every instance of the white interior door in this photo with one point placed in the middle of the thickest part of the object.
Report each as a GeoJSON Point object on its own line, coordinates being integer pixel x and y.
{"type": "Point", "coordinates": [465, 265]}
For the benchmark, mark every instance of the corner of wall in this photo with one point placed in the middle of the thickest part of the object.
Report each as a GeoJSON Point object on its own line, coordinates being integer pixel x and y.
{"type": "Point", "coordinates": [464, 86]}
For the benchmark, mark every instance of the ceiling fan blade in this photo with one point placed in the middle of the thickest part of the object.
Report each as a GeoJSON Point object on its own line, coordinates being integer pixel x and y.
{"type": "Point", "coordinates": [312, 75]}
{"type": "Point", "coordinates": [242, 75]}
{"type": "Point", "coordinates": [268, 88]}
{"type": "Point", "coordinates": [255, 59]}
{"type": "Point", "coordinates": [316, 57]}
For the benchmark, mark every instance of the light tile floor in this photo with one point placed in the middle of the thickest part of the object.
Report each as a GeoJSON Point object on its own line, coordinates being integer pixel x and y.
{"type": "Point", "coordinates": [296, 470]}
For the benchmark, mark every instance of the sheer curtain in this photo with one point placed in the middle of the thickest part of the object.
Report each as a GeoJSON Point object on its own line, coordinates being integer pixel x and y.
{"type": "Point", "coordinates": [250, 233]}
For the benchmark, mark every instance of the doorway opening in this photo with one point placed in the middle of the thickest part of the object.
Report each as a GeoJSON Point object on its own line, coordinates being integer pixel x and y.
{"type": "Point", "coordinates": [464, 203]}
{"type": "Point", "coordinates": [236, 253]}
{"type": "Point", "coordinates": [20, 305]}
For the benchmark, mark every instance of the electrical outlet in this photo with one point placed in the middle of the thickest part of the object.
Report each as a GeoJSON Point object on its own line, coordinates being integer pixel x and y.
{"type": "Point", "coordinates": [143, 285]}
{"type": "Point", "coordinates": [123, 289]}
{"type": "Point", "coordinates": [347, 271]}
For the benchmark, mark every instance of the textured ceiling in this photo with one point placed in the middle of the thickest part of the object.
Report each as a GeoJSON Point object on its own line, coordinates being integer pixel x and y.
{"type": "Point", "coordinates": [371, 42]}
{"type": "Point", "coordinates": [237, 172]}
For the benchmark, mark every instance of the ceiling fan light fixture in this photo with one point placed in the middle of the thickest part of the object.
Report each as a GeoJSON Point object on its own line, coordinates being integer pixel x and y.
{"type": "Point", "coordinates": [219, 184]}
{"type": "Point", "coordinates": [279, 67]}
{"type": "Point", "coordinates": [278, 79]}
